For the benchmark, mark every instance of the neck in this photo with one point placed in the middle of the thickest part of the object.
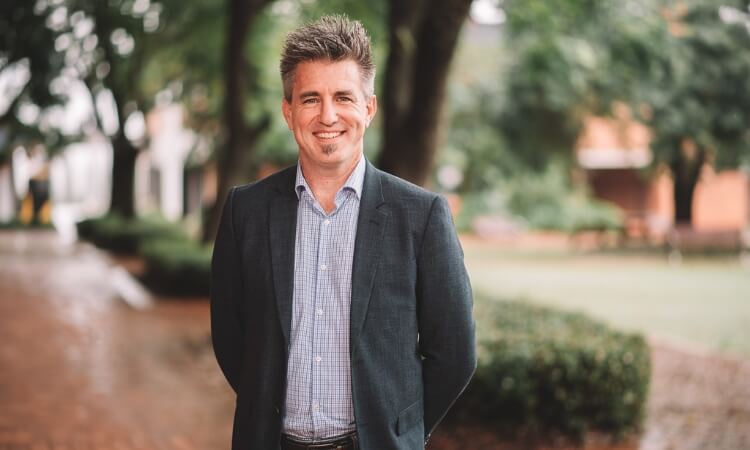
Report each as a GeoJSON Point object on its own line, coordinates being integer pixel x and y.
{"type": "Point", "coordinates": [325, 182]}
{"type": "Point", "coordinates": [327, 177]}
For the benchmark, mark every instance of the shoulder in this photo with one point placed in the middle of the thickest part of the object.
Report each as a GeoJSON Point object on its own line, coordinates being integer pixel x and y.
{"type": "Point", "coordinates": [401, 192]}
{"type": "Point", "coordinates": [411, 208]}
{"type": "Point", "coordinates": [249, 202]}
{"type": "Point", "coordinates": [279, 182]}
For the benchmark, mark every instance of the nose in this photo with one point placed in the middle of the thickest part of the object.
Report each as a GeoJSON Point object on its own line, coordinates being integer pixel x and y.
{"type": "Point", "coordinates": [328, 114]}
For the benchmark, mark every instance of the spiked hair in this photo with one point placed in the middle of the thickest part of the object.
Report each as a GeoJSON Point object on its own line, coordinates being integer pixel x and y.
{"type": "Point", "coordinates": [332, 38]}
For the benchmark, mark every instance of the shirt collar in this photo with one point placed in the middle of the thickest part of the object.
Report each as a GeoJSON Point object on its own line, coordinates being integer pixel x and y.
{"type": "Point", "coordinates": [354, 182]}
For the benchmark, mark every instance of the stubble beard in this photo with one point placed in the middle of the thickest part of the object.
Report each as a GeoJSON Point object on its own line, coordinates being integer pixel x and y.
{"type": "Point", "coordinates": [328, 149]}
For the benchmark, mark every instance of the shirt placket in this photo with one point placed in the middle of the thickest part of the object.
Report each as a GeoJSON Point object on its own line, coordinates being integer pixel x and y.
{"type": "Point", "coordinates": [320, 303]}
{"type": "Point", "coordinates": [311, 216]}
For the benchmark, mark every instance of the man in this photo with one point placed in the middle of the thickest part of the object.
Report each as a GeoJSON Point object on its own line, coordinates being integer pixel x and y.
{"type": "Point", "coordinates": [340, 305]}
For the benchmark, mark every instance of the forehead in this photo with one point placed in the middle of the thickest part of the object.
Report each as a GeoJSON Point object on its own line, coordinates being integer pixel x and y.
{"type": "Point", "coordinates": [325, 75]}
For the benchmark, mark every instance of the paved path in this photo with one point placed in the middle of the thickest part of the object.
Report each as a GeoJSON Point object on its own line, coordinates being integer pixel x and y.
{"type": "Point", "coordinates": [79, 369]}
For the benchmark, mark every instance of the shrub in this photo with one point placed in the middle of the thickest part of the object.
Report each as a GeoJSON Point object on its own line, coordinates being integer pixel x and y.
{"type": "Point", "coordinates": [17, 224]}
{"type": "Point", "coordinates": [550, 201]}
{"type": "Point", "coordinates": [125, 236]}
{"type": "Point", "coordinates": [174, 264]}
{"type": "Point", "coordinates": [176, 267]}
{"type": "Point", "coordinates": [546, 372]}
{"type": "Point", "coordinates": [542, 201]}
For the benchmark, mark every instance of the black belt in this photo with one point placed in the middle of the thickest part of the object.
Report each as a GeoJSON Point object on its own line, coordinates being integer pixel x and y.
{"type": "Point", "coordinates": [345, 442]}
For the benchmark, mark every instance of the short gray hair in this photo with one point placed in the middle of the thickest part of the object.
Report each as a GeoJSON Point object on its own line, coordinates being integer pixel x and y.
{"type": "Point", "coordinates": [332, 38]}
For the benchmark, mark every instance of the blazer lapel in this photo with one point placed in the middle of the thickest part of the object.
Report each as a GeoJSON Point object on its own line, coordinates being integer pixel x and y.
{"type": "Point", "coordinates": [282, 229]}
{"type": "Point", "coordinates": [371, 226]}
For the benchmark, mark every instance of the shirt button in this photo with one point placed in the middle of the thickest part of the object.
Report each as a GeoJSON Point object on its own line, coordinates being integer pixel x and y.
{"type": "Point", "coordinates": [319, 311]}
{"type": "Point", "coordinates": [326, 222]}
{"type": "Point", "coordinates": [323, 267]}
{"type": "Point", "coordinates": [315, 406]}
{"type": "Point", "coordinates": [318, 359]}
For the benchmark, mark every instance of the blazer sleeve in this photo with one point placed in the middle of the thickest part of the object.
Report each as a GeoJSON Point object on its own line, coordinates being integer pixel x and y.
{"type": "Point", "coordinates": [226, 289]}
{"type": "Point", "coordinates": [446, 326]}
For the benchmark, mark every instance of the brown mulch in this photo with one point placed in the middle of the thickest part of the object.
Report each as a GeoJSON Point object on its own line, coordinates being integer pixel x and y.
{"type": "Point", "coordinates": [699, 400]}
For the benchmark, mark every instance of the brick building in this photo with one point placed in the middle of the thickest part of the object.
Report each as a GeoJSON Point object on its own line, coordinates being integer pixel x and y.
{"type": "Point", "coordinates": [615, 155]}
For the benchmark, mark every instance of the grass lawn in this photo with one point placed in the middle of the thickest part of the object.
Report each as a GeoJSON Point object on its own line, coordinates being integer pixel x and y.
{"type": "Point", "coordinates": [704, 301]}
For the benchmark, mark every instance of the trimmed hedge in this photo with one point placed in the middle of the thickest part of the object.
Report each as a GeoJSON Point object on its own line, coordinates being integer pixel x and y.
{"type": "Point", "coordinates": [16, 224]}
{"type": "Point", "coordinates": [174, 263]}
{"type": "Point", "coordinates": [177, 267]}
{"type": "Point", "coordinates": [546, 372]}
{"type": "Point", "coordinates": [124, 236]}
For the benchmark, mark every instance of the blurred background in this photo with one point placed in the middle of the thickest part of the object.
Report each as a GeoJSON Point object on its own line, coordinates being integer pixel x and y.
{"type": "Point", "coordinates": [595, 153]}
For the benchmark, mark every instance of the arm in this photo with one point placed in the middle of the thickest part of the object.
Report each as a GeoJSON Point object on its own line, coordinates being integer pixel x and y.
{"type": "Point", "coordinates": [446, 326]}
{"type": "Point", "coordinates": [226, 292]}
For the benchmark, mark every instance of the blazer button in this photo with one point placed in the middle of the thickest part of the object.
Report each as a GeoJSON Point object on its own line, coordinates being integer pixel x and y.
{"type": "Point", "coordinates": [276, 410]}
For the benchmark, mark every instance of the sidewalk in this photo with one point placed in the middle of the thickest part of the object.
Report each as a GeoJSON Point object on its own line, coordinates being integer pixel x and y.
{"type": "Point", "coordinates": [79, 369]}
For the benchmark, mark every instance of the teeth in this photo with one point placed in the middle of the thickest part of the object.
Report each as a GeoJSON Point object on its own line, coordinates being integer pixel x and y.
{"type": "Point", "coordinates": [328, 135]}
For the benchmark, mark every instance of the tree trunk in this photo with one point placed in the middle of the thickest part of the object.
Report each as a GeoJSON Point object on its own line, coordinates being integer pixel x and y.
{"type": "Point", "coordinates": [686, 171]}
{"type": "Point", "coordinates": [123, 176]}
{"type": "Point", "coordinates": [240, 137]}
{"type": "Point", "coordinates": [122, 83]}
{"type": "Point", "coordinates": [423, 38]}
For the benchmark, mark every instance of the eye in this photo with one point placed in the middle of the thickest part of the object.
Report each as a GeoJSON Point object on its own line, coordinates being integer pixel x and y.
{"type": "Point", "coordinates": [309, 101]}
{"type": "Point", "coordinates": [346, 99]}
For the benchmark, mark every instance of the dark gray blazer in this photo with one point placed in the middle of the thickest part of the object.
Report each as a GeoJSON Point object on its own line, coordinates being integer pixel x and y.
{"type": "Point", "coordinates": [412, 333]}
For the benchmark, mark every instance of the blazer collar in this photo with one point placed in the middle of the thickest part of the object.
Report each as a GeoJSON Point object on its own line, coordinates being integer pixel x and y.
{"type": "Point", "coordinates": [371, 225]}
{"type": "Point", "coordinates": [282, 226]}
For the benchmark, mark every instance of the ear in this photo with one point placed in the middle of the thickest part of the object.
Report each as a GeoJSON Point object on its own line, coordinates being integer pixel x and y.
{"type": "Point", "coordinates": [286, 109]}
{"type": "Point", "coordinates": [372, 108]}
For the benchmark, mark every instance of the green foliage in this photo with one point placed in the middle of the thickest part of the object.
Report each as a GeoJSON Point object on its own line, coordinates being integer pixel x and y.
{"type": "Point", "coordinates": [25, 37]}
{"type": "Point", "coordinates": [472, 206]}
{"type": "Point", "coordinates": [276, 145]}
{"type": "Point", "coordinates": [187, 59]}
{"type": "Point", "coordinates": [572, 58]}
{"type": "Point", "coordinates": [176, 267]}
{"type": "Point", "coordinates": [544, 371]}
{"type": "Point", "coordinates": [174, 263]}
{"type": "Point", "coordinates": [548, 201]}
{"type": "Point", "coordinates": [27, 45]}
{"type": "Point", "coordinates": [125, 236]}
{"type": "Point", "coordinates": [371, 14]}
{"type": "Point", "coordinates": [16, 224]}
{"type": "Point", "coordinates": [701, 91]}
{"type": "Point", "coordinates": [682, 67]}
{"type": "Point", "coordinates": [474, 144]}
{"type": "Point", "coordinates": [544, 201]}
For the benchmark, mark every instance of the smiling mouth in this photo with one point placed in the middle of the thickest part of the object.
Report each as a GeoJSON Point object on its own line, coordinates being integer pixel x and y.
{"type": "Point", "coordinates": [328, 134]}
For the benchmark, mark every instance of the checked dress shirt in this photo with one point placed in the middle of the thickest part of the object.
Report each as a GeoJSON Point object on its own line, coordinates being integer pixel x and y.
{"type": "Point", "coordinates": [319, 392]}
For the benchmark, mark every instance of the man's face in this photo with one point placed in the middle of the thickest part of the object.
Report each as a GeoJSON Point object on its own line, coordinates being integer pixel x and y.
{"type": "Point", "coordinates": [329, 113]}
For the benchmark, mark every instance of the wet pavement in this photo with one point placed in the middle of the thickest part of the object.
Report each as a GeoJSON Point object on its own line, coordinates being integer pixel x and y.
{"type": "Point", "coordinates": [80, 369]}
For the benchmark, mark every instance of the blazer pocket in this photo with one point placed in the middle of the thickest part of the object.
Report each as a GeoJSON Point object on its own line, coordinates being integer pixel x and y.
{"type": "Point", "coordinates": [409, 417]}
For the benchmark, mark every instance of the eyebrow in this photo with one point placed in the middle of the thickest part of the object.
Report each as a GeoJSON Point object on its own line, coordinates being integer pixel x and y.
{"type": "Point", "coordinates": [309, 94]}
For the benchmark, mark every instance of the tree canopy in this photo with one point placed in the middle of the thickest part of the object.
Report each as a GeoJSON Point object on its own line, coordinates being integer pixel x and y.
{"type": "Point", "coordinates": [682, 67]}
